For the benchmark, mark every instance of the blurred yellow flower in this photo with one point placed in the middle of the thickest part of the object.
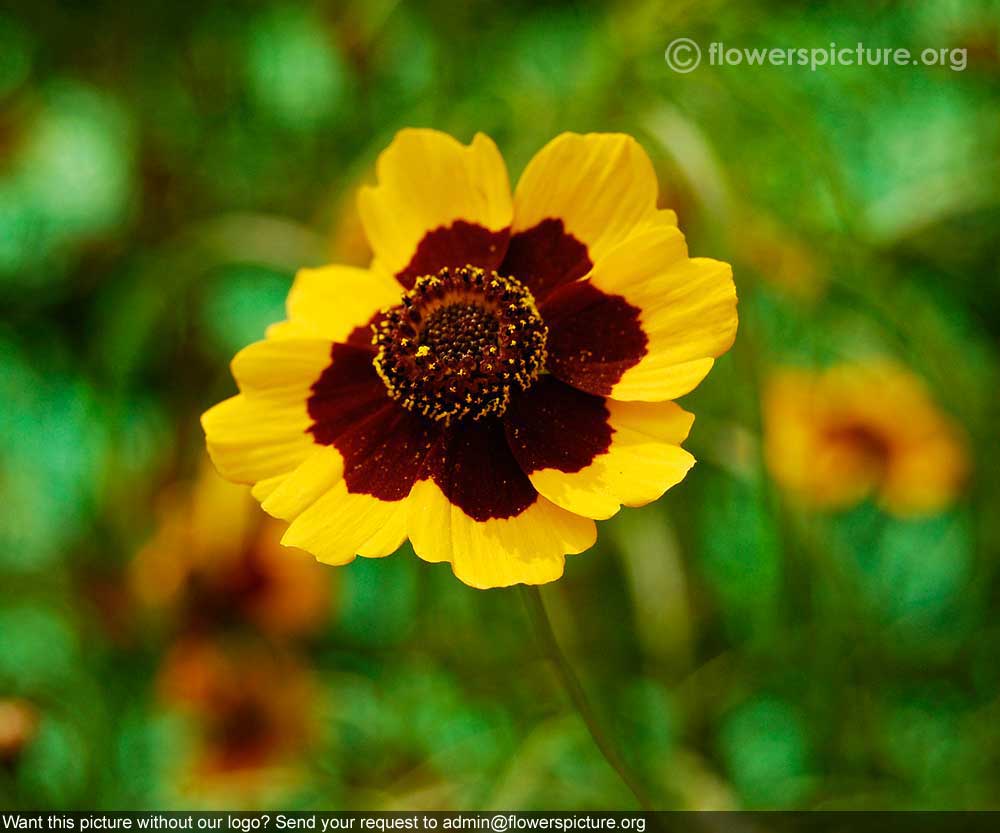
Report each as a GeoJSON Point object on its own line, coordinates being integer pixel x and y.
{"type": "Point", "coordinates": [252, 711]}
{"type": "Point", "coordinates": [519, 385]}
{"type": "Point", "coordinates": [214, 558]}
{"type": "Point", "coordinates": [18, 725]}
{"type": "Point", "coordinates": [838, 436]}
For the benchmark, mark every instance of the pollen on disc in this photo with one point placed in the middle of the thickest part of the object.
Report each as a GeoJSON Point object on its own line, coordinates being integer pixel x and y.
{"type": "Point", "coordinates": [459, 343]}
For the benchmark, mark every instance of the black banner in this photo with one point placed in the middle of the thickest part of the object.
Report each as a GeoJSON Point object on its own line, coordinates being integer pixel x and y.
{"type": "Point", "coordinates": [503, 822]}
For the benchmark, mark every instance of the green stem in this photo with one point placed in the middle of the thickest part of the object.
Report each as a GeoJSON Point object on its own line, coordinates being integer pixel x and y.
{"type": "Point", "coordinates": [546, 636]}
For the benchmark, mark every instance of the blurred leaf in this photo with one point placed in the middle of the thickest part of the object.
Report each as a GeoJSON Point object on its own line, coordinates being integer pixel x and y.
{"type": "Point", "coordinates": [243, 300]}
{"type": "Point", "coordinates": [766, 750]}
{"type": "Point", "coordinates": [379, 604]}
{"type": "Point", "coordinates": [55, 767]}
{"type": "Point", "coordinates": [295, 73]}
{"type": "Point", "coordinates": [739, 555]}
{"type": "Point", "coordinates": [38, 648]}
{"type": "Point", "coordinates": [70, 179]}
{"type": "Point", "coordinates": [914, 573]}
{"type": "Point", "coordinates": [16, 49]}
{"type": "Point", "coordinates": [52, 446]}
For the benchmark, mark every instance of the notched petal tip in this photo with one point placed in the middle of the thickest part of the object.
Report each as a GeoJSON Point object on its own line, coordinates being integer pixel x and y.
{"type": "Point", "coordinates": [426, 182]}
{"type": "Point", "coordinates": [601, 186]}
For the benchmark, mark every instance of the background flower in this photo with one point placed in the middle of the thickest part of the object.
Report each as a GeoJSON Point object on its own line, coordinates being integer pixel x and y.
{"type": "Point", "coordinates": [162, 181]}
{"type": "Point", "coordinates": [215, 559]}
{"type": "Point", "coordinates": [251, 720]}
{"type": "Point", "coordinates": [852, 431]}
{"type": "Point", "coordinates": [18, 725]}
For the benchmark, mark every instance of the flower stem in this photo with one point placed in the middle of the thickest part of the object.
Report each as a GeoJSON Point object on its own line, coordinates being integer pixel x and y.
{"type": "Point", "coordinates": [546, 636]}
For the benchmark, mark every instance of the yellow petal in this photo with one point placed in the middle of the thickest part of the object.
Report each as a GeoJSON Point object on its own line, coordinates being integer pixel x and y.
{"type": "Point", "coordinates": [340, 524]}
{"type": "Point", "coordinates": [282, 370]}
{"type": "Point", "coordinates": [390, 535]}
{"type": "Point", "coordinates": [601, 185]}
{"type": "Point", "coordinates": [316, 475]}
{"type": "Point", "coordinates": [261, 434]}
{"type": "Point", "coordinates": [329, 522]}
{"type": "Point", "coordinates": [332, 302]}
{"type": "Point", "coordinates": [687, 310]}
{"type": "Point", "coordinates": [427, 180]}
{"type": "Point", "coordinates": [644, 459]}
{"type": "Point", "coordinates": [263, 488]}
{"type": "Point", "coordinates": [251, 440]}
{"type": "Point", "coordinates": [527, 549]}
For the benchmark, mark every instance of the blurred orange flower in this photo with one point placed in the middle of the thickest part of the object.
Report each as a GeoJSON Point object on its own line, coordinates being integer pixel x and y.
{"type": "Point", "coordinates": [215, 558]}
{"type": "Point", "coordinates": [251, 709]}
{"type": "Point", "coordinates": [18, 726]}
{"type": "Point", "coordinates": [835, 437]}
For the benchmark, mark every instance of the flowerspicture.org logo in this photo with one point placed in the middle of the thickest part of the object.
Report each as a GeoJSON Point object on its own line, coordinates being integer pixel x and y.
{"type": "Point", "coordinates": [683, 55]}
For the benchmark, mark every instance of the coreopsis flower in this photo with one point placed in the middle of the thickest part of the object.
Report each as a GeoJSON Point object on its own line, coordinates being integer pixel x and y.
{"type": "Point", "coordinates": [501, 375]}
{"type": "Point", "coordinates": [251, 711]}
{"type": "Point", "coordinates": [839, 436]}
{"type": "Point", "coordinates": [214, 560]}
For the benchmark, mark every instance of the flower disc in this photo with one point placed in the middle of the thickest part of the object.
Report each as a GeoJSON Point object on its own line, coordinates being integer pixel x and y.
{"type": "Point", "coordinates": [459, 343]}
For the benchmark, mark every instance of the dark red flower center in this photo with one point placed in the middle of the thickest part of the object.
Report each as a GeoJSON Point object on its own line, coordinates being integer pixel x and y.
{"type": "Point", "coordinates": [460, 343]}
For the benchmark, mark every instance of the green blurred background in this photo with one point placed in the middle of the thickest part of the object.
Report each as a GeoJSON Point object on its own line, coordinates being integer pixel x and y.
{"type": "Point", "coordinates": [165, 168]}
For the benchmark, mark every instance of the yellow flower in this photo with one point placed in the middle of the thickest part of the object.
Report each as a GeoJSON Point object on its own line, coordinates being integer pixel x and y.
{"type": "Point", "coordinates": [501, 375]}
{"type": "Point", "coordinates": [18, 726]}
{"type": "Point", "coordinates": [214, 557]}
{"type": "Point", "coordinates": [836, 437]}
{"type": "Point", "coordinates": [252, 712]}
